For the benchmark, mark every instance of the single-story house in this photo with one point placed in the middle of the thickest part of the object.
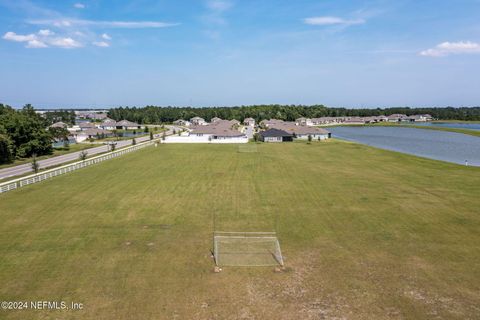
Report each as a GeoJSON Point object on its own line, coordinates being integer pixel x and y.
{"type": "Point", "coordinates": [275, 135]}
{"type": "Point", "coordinates": [86, 126]}
{"type": "Point", "coordinates": [197, 121]}
{"type": "Point", "coordinates": [303, 132]}
{"type": "Point", "coordinates": [304, 122]}
{"type": "Point", "coordinates": [108, 124]}
{"type": "Point", "coordinates": [420, 118]}
{"type": "Point", "coordinates": [127, 125]}
{"type": "Point", "coordinates": [222, 131]}
{"type": "Point", "coordinates": [354, 120]}
{"type": "Point", "coordinates": [59, 124]}
{"type": "Point", "coordinates": [396, 117]}
{"type": "Point", "coordinates": [249, 122]}
{"type": "Point", "coordinates": [270, 123]}
{"type": "Point", "coordinates": [81, 136]}
{"type": "Point", "coordinates": [181, 122]}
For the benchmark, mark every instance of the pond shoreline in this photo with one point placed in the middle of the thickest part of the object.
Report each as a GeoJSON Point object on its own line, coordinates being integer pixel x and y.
{"type": "Point", "coordinates": [441, 145]}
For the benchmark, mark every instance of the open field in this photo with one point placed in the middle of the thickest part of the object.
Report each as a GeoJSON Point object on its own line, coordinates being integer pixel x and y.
{"type": "Point", "coordinates": [365, 233]}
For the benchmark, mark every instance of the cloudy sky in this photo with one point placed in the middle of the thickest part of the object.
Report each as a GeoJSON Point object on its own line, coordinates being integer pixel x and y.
{"type": "Point", "coordinates": [350, 53]}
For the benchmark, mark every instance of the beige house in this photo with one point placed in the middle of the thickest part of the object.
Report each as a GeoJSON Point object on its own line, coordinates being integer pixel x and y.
{"type": "Point", "coordinates": [249, 122]}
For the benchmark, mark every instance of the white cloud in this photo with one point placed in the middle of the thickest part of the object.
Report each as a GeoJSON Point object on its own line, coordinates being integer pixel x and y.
{"type": "Point", "coordinates": [79, 5]}
{"type": "Point", "coordinates": [12, 36]}
{"type": "Point", "coordinates": [46, 32]}
{"type": "Point", "coordinates": [102, 44]}
{"type": "Point", "coordinates": [329, 21]}
{"type": "Point", "coordinates": [106, 37]}
{"type": "Point", "coordinates": [43, 39]}
{"type": "Point", "coordinates": [36, 44]}
{"type": "Point", "coordinates": [105, 24]}
{"type": "Point", "coordinates": [66, 43]}
{"type": "Point", "coordinates": [448, 48]}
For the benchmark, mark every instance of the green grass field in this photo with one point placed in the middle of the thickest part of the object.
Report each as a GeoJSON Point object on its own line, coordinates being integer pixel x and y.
{"type": "Point", "coordinates": [365, 233]}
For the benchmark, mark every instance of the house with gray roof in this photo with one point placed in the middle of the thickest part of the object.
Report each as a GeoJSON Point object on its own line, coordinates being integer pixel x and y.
{"type": "Point", "coordinates": [303, 132]}
{"type": "Point", "coordinates": [275, 135]}
{"type": "Point", "coordinates": [86, 126]}
{"type": "Point", "coordinates": [127, 125]}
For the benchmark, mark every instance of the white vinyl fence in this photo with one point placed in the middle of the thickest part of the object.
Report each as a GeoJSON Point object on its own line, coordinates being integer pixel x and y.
{"type": "Point", "coordinates": [34, 178]}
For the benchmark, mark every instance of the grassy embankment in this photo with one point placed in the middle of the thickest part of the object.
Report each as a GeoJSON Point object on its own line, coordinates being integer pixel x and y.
{"type": "Point", "coordinates": [475, 133]}
{"type": "Point", "coordinates": [366, 234]}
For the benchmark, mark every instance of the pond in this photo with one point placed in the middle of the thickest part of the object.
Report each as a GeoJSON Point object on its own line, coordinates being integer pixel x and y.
{"type": "Point", "coordinates": [438, 145]}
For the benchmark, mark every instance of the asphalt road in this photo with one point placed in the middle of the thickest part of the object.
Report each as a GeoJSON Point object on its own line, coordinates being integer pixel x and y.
{"type": "Point", "coordinates": [58, 160]}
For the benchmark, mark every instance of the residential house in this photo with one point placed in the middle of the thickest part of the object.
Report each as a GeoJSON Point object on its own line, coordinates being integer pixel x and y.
{"type": "Point", "coordinates": [327, 121]}
{"type": "Point", "coordinates": [86, 126]}
{"type": "Point", "coordinates": [249, 122]}
{"type": "Point", "coordinates": [108, 124]}
{"type": "Point", "coordinates": [420, 118]}
{"type": "Point", "coordinates": [197, 121]}
{"type": "Point", "coordinates": [275, 135]}
{"type": "Point", "coordinates": [396, 117]}
{"type": "Point", "coordinates": [215, 119]}
{"type": "Point", "coordinates": [270, 123]}
{"type": "Point", "coordinates": [81, 136]}
{"type": "Point", "coordinates": [382, 118]}
{"type": "Point", "coordinates": [127, 125]}
{"type": "Point", "coordinates": [304, 122]}
{"type": "Point", "coordinates": [59, 124]}
{"type": "Point", "coordinates": [303, 132]}
{"type": "Point", "coordinates": [354, 120]}
{"type": "Point", "coordinates": [222, 131]}
{"type": "Point", "coordinates": [181, 122]}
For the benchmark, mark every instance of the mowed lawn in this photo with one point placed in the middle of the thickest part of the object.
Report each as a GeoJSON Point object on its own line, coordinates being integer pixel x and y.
{"type": "Point", "coordinates": [365, 233]}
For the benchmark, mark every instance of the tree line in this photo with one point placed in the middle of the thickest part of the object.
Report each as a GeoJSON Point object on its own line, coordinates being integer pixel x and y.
{"type": "Point", "coordinates": [155, 115]}
{"type": "Point", "coordinates": [23, 134]}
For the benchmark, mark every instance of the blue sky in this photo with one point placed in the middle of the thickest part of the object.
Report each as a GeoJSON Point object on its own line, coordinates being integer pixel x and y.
{"type": "Point", "coordinates": [231, 52]}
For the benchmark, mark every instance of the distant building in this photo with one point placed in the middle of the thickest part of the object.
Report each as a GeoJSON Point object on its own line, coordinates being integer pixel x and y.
{"type": "Point", "coordinates": [249, 122]}
{"type": "Point", "coordinates": [304, 122]}
{"type": "Point", "coordinates": [420, 118]}
{"type": "Point", "coordinates": [59, 125]}
{"type": "Point", "coordinates": [81, 136]}
{"type": "Point", "coordinates": [108, 124]}
{"type": "Point", "coordinates": [86, 126]}
{"type": "Point", "coordinates": [127, 125]}
{"type": "Point", "coordinates": [396, 117]}
{"type": "Point", "coordinates": [215, 119]}
{"type": "Point", "coordinates": [197, 121]}
{"type": "Point", "coordinates": [181, 122]}
{"type": "Point", "coordinates": [354, 120]}
{"type": "Point", "coordinates": [270, 123]}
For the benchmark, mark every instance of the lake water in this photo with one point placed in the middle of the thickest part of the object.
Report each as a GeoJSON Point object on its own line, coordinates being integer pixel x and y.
{"type": "Point", "coordinates": [455, 125]}
{"type": "Point", "coordinates": [438, 145]}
